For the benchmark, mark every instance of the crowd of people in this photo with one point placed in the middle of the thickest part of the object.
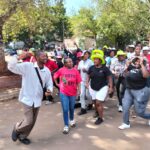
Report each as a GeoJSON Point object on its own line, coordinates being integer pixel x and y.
{"type": "Point", "coordinates": [90, 75]}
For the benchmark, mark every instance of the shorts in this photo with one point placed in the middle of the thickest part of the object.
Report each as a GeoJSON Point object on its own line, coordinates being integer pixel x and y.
{"type": "Point", "coordinates": [99, 95]}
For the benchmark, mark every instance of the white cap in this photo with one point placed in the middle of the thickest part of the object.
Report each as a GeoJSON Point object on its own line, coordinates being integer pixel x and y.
{"type": "Point", "coordinates": [146, 48]}
{"type": "Point", "coordinates": [113, 48]}
{"type": "Point", "coordinates": [131, 46]}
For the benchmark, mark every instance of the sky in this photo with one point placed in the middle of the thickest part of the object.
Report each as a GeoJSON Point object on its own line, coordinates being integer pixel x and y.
{"type": "Point", "coordinates": [72, 6]}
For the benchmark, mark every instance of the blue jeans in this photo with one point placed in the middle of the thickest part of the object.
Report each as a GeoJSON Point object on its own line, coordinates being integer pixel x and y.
{"type": "Point", "coordinates": [68, 103]}
{"type": "Point", "coordinates": [138, 98]}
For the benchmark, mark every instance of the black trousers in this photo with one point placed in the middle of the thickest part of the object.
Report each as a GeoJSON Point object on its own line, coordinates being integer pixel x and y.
{"type": "Point", "coordinates": [120, 88]}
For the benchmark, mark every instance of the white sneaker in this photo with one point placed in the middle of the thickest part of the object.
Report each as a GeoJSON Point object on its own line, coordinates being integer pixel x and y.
{"type": "Point", "coordinates": [47, 102]}
{"type": "Point", "coordinates": [72, 123]}
{"type": "Point", "coordinates": [66, 130]}
{"type": "Point", "coordinates": [124, 126]}
{"type": "Point", "coordinates": [120, 109]}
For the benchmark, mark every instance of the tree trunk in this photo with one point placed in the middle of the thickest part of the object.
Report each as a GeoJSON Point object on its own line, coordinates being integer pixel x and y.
{"type": "Point", "coordinates": [3, 66]}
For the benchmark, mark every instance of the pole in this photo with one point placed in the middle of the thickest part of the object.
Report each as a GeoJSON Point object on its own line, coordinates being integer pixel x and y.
{"type": "Point", "coordinates": [63, 30]}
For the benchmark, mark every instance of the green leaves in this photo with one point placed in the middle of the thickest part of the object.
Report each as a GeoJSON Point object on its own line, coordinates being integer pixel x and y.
{"type": "Point", "coordinates": [119, 18]}
{"type": "Point", "coordinates": [108, 20]}
{"type": "Point", "coordinates": [37, 18]}
{"type": "Point", "coordinates": [111, 20]}
{"type": "Point", "coordinates": [84, 23]}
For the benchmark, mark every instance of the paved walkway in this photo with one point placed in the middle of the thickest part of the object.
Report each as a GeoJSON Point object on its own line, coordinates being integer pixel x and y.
{"type": "Point", "coordinates": [47, 133]}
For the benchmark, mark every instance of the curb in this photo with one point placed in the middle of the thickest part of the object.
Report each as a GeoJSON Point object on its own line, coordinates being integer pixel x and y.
{"type": "Point", "coordinates": [9, 94]}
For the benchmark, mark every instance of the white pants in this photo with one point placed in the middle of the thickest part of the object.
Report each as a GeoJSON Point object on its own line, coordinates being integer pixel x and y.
{"type": "Point", "coordinates": [84, 94]}
{"type": "Point", "coordinates": [99, 95]}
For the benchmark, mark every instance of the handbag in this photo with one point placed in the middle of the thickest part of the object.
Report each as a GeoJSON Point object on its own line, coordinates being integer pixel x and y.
{"type": "Point", "coordinates": [43, 87]}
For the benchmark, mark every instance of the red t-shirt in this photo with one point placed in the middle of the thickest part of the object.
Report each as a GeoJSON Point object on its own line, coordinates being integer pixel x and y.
{"type": "Point", "coordinates": [148, 57]}
{"type": "Point", "coordinates": [51, 65]}
{"type": "Point", "coordinates": [69, 79]}
{"type": "Point", "coordinates": [28, 58]}
{"type": "Point", "coordinates": [148, 61]}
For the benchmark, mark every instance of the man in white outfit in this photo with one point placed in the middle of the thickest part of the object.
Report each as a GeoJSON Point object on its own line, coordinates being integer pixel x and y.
{"type": "Point", "coordinates": [31, 93]}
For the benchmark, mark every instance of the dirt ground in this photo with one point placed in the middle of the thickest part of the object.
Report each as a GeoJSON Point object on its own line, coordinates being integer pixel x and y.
{"type": "Point", "coordinates": [10, 81]}
{"type": "Point", "coordinates": [47, 133]}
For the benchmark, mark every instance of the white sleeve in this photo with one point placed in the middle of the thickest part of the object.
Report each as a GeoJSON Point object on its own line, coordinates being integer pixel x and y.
{"type": "Point", "coordinates": [16, 68]}
{"type": "Point", "coordinates": [79, 66]}
{"type": "Point", "coordinates": [49, 81]}
{"type": "Point", "coordinates": [91, 63]}
{"type": "Point", "coordinates": [112, 65]}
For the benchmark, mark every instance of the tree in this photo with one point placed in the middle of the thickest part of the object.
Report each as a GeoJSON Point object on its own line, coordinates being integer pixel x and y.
{"type": "Point", "coordinates": [61, 24]}
{"type": "Point", "coordinates": [114, 22]}
{"type": "Point", "coordinates": [34, 21]}
{"type": "Point", "coordinates": [120, 20]}
{"type": "Point", "coordinates": [7, 9]}
{"type": "Point", "coordinates": [84, 23]}
{"type": "Point", "coordinates": [38, 24]}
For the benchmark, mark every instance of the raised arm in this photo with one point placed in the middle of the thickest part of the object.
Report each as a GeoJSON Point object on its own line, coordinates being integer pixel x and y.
{"type": "Point", "coordinates": [16, 68]}
{"type": "Point", "coordinates": [145, 73]}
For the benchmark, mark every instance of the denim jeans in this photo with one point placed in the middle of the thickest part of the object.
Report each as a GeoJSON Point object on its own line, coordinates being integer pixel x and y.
{"type": "Point", "coordinates": [68, 103]}
{"type": "Point", "coordinates": [140, 99]}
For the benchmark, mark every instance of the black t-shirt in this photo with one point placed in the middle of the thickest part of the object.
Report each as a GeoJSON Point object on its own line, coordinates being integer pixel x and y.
{"type": "Point", "coordinates": [134, 78]}
{"type": "Point", "coordinates": [98, 77]}
{"type": "Point", "coordinates": [60, 64]}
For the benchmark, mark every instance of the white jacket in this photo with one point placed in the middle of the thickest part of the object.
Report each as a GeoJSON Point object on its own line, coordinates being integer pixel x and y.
{"type": "Point", "coordinates": [31, 92]}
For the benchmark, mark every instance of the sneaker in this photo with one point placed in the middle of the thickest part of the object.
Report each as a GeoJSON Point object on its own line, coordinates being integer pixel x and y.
{"type": "Point", "coordinates": [120, 108]}
{"type": "Point", "coordinates": [82, 112]}
{"type": "Point", "coordinates": [95, 114]}
{"type": "Point", "coordinates": [124, 126]}
{"type": "Point", "coordinates": [14, 135]}
{"type": "Point", "coordinates": [73, 123]}
{"type": "Point", "coordinates": [25, 141]}
{"type": "Point", "coordinates": [66, 130]}
{"type": "Point", "coordinates": [98, 121]}
{"type": "Point", "coordinates": [47, 102]}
